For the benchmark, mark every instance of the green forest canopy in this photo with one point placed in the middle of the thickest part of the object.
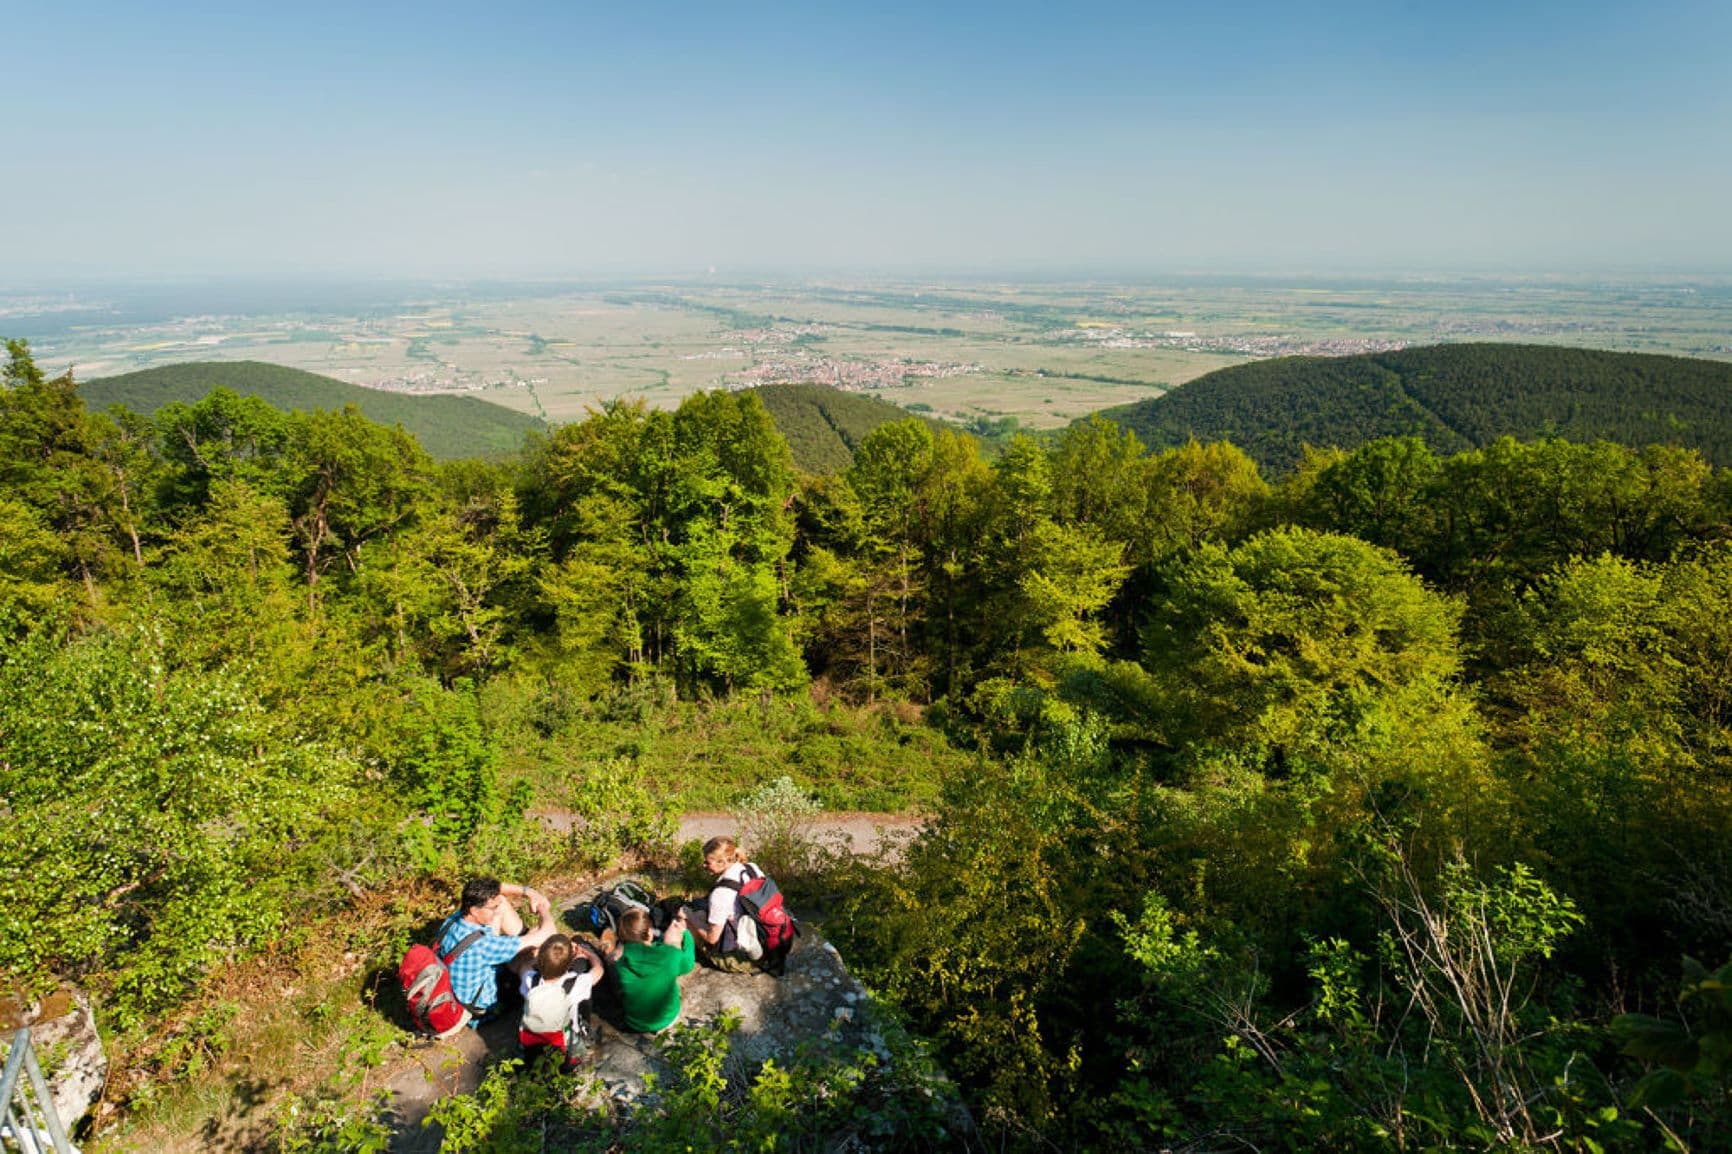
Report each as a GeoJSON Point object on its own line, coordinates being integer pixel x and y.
{"type": "Point", "coordinates": [447, 427]}
{"type": "Point", "coordinates": [824, 425]}
{"type": "Point", "coordinates": [1455, 397]}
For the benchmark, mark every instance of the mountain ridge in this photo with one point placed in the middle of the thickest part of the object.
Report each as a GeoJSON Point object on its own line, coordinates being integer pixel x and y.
{"type": "Point", "coordinates": [1455, 396]}
{"type": "Point", "coordinates": [823, 425]}
{"type": "Point", "coordinates": [448, 427]}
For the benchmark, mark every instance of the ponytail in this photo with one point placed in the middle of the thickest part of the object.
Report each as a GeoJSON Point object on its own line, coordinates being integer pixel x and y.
{"type": "Point", "coordinates": [724, 847]}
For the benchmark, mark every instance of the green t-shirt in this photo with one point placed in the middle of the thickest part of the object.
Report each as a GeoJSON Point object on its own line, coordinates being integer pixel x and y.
{"type": "Point", "coordinates": [649, 982]}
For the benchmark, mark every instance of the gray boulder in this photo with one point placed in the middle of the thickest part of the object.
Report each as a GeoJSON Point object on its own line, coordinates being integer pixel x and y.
{"type": "Point", "coordinates": [815, 1000]}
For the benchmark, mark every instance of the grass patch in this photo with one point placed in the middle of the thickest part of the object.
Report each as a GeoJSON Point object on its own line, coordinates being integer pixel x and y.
{"type": "Point", "coordinates": [708, 753]}
{"type": "Point", "coordinates": [280, 1022]}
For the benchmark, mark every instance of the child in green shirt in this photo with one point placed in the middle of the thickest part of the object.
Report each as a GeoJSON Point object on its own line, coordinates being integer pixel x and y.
{"type": "Point", "coordinates": [649, 971]}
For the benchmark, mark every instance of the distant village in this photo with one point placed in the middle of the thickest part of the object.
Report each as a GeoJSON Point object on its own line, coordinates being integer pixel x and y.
{"type": "Point", "coordinates": [792, 364]}
{"type": "Point", "coordinates": [1275, 345]}
{"type": "Point", "coordinates": [445, 347]}
{"type": "Point", "coordinates": [846, 374]}
{"type": "Point", "coordinates": [447, 381]}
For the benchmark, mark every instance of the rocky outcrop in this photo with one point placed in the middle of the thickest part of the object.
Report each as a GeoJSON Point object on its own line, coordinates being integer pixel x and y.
{"type": "Point", "coordinates": [816, 999]}
{"type": "Point", "coordinates": [63, 1034]}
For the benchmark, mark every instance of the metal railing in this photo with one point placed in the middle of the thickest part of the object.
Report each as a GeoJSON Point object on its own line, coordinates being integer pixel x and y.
{"type": "Point", "coordinates": [30, 1124]}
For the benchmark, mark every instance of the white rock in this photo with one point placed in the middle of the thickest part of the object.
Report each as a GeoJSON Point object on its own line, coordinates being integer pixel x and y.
{"type": "Point", "coordinates": [63, 1034]}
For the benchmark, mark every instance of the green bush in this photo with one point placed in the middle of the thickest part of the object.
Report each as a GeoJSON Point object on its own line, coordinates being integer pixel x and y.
{"type": "Point", "coordinates": [769, 819]}
{"type": "Point", "coordinates": [824, 1097]}
{"type": "Point", "coordinates": [159, 818]}
{"type": "Point", "coordinates": [616, 812]}
{"type": "Point", "coordinates": [1691, 1076]}
{"type": "Point", "coordinates": [704, 755]}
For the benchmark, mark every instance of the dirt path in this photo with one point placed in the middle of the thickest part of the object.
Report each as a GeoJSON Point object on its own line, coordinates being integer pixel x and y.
{"type": "Point", "coordinates": [861, 832]}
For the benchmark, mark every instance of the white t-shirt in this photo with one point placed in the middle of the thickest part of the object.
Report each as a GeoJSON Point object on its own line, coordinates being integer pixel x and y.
{"type": "Point", "coordinates": [582, 989]}
{"type": "Point", "coordinates": [724, 902]}
{"type": "Point", "coordinates": [545, 1011]}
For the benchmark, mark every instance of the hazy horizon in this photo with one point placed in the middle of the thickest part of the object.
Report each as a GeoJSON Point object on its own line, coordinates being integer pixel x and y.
{"type": "Point", "coordinates": [1109, 141]}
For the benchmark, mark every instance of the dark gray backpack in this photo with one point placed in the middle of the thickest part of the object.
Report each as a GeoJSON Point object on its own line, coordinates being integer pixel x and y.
{"type": "Point", "coordinates": [611, 904]}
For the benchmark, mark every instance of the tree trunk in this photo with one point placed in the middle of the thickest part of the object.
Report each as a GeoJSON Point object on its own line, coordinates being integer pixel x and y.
{"type": "Point", "coordinates": [131, 525]}
{"type": "Point", "coordinates": [871, 645]}
{"type": "Point", "coordinates": [316, 539]}
{"type": "Point", "coordinates": [902, 615]}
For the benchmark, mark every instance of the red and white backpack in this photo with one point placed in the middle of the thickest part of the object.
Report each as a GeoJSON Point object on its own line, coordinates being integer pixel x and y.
{"type": "Point", "coordinates": [761, 905]}
{"type": "Point", "coordinates": [426, 977]}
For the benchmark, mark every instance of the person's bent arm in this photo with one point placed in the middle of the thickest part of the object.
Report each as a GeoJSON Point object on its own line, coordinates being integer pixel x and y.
{"type": "Point", "coordinates": [723, 902]}
{"type": "Point", "coordinates": [676, 930]}
{"type": "Point", "coordinates": [545, 926]}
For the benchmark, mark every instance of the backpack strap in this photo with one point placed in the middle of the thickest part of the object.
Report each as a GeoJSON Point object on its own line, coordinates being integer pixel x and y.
{"type": "Point", "coordinates": [457, 950]}
{"type": "Point", "coordinates": [744, 907]}
{"type": "Point", "coordinates": [750, 874]}
{"type": "Point", "coordinates": [446, 959]}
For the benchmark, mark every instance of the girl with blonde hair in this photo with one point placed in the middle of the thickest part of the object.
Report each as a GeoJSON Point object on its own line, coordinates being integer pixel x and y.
{"type": "Point", "coordinates": [730, 936]}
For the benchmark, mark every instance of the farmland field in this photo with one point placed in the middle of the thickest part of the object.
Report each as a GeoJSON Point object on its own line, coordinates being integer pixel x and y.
{"type": "Point", "coordinates": [1042, 353]}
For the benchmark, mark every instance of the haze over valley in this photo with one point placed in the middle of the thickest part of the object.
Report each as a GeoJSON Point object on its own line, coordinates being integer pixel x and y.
{"type": "Point", "coordinates": [1042, 352]}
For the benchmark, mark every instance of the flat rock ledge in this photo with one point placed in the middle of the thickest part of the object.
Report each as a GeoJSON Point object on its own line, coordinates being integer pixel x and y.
{"type": "Point", "coordinates": [815, 1002]}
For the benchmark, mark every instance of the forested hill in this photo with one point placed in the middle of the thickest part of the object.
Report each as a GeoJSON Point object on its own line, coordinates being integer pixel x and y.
{"type": "Point", "coordinates": [1457, 397]}
{"type": "Point", "coordinates": [447, 427]}
{"type": "Point", "coordinates": [822, 425]}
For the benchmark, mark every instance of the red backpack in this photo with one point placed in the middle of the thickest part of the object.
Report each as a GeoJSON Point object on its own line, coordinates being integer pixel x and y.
{"type": "Point", "coordinates": [761, 900]}
{"type": "Point", "coordinates": [426, 977]}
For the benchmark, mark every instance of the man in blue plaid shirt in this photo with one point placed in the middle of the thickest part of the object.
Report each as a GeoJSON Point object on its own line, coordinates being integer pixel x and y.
{"type": "Point", "coordinates": [486, 908]}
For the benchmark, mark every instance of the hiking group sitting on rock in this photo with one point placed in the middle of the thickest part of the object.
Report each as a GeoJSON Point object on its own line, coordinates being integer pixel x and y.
{"type": "Point", "coordinates": [642, 951]}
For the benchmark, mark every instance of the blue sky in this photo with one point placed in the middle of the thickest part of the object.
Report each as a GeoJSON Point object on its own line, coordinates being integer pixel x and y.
{"type": "Point", "coordinates": [573, 139]}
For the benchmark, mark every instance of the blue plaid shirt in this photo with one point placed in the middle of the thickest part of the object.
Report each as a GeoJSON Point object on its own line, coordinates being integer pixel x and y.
{"type": "Point", "coordinates": [472, 978]}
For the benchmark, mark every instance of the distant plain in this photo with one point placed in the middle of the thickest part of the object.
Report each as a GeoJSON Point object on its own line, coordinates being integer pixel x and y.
{"type": "Point", "coordinates": [1042, 353]}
